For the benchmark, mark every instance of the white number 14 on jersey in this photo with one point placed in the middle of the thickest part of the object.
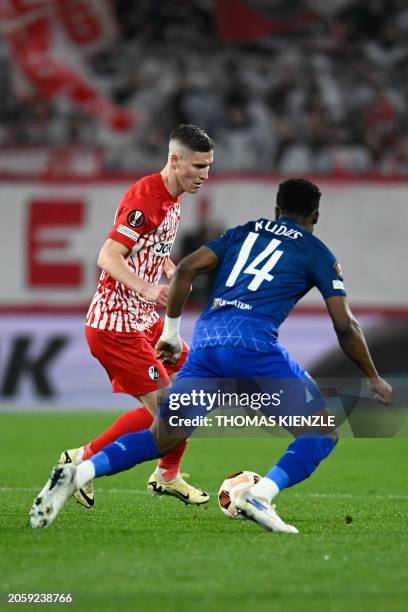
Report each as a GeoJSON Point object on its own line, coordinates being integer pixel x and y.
{"type": "Point", "coordinates": [270, 254]}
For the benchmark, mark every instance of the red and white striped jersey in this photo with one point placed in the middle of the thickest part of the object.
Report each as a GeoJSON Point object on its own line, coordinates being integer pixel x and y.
{"type": "Point", "coordinates": [146, 222]}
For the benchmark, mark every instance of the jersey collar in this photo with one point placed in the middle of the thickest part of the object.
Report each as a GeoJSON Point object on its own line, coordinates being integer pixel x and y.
{"type": "Point", "coordinates": [289, 221]}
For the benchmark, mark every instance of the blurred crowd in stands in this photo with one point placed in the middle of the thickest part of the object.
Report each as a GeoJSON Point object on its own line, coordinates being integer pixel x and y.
{"type": "Point", "coordinates": [329, 97]}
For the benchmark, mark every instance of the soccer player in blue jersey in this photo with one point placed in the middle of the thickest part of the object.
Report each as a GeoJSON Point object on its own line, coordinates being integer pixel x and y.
{"type": "Point", "coordinates": [263, 268]}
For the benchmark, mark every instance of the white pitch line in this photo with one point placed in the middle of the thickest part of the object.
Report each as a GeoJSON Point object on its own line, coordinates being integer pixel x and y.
{"type": "Point", "coordinates": [389, 496]}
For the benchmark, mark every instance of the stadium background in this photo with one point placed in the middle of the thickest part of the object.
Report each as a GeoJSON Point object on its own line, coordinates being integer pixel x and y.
{"type": "Point", "coordinates": [91, 89]}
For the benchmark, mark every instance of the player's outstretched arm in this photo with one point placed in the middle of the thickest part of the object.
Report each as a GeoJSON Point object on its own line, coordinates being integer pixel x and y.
{"type": "Point", "coordinates": [200, 261]}
{"type": "Point", "coordinates": [112, 259]}
{"type": "Point", "coordinates": [203, 260]}
{"type": "Point", "coordinates": [353, 343]}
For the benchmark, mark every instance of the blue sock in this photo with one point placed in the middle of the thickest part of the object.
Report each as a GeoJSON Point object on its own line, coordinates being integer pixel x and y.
{"type": "Point", "coordinates": [300, 460]}
{"type": "Point", "coordinates": [125, 452]}
{"type": "Point", "coordinates": [279, 476]}
{"type": "Point", "coordinates": [101, 463]}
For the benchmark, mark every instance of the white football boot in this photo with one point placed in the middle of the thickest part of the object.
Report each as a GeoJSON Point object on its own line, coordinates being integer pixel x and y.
{"type": "Point", "coordinates": [177, 487]}
{"type": "Point", "coordinates": [262, 512]}
{"type": "Point", "coordinates": [53, 496]}
{"type": "Point", "coordinates": [84, 496]}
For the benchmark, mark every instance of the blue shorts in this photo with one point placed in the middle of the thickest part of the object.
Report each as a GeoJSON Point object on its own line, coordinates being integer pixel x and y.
{"type": "Point", "coordinates": [233, 362]}
{"type": "Point", "coordinates": [212, 374]}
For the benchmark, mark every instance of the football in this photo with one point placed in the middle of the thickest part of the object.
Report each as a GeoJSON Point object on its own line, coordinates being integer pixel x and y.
{"type": "Point", "coordinates": [232, 487]}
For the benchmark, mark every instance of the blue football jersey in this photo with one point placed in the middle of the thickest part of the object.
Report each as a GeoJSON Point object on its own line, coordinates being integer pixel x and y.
{"type": "Point", "coordinates": [265, 267]}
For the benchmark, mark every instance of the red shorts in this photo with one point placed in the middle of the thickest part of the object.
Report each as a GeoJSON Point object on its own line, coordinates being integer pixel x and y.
{"type": "Point", "coordinates": [130, 359]}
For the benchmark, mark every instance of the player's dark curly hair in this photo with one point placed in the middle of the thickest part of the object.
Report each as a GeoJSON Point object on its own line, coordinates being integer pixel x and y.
{"type": "Point", "coordinates": [298, 196]}
{"type": "Point", "coordinates": [193, 137]}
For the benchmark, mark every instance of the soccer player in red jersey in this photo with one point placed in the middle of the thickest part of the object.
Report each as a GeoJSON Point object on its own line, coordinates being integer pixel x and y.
{"type": "Point", "coordinates": [122, 324]}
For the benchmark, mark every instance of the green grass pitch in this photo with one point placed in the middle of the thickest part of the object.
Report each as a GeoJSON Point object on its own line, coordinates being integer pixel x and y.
{"type": "Point", "coordinates": [134, 552]}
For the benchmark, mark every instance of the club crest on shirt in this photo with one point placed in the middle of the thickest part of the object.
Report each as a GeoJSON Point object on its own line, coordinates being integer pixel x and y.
{"type": "Point", "coordinates": [337, 269]}
{"type": "Point", "coordinates": [136, 218]}
{"type": "Point", "coordinates": [154, 372]}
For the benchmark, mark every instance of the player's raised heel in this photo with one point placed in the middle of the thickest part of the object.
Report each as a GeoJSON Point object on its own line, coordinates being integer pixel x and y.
{"type": "Point", "coordinates": [262, 512]}
{"type": "Point", "coordinates": [84, 496]}
{"type": "Point", "coordinates": [177, 487]}
{"type": "Point", "coordinates": [51, 499]}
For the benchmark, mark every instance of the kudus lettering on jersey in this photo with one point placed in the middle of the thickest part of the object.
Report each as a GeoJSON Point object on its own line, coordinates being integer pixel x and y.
{"type": "Point", "coordinates": [277, 229]}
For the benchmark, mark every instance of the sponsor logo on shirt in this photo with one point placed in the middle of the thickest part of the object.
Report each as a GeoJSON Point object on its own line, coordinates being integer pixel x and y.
{"type": "Point", "coordinates": [136, 218]}
{"type": "Point", "coordinates": [163, 248]}
{"type": "Point", "coordinates": [219, 302]}
{"type": "Point", "coordinates": [126, 231]}
{"type": "Point", "coordinates": [338, 284]}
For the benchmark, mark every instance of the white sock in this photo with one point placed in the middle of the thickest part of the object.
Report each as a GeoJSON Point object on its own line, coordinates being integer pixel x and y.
{"type": "Point", "coordinates": [85, 473]}
{"type": "Point", "coordinates": [265, 488]}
